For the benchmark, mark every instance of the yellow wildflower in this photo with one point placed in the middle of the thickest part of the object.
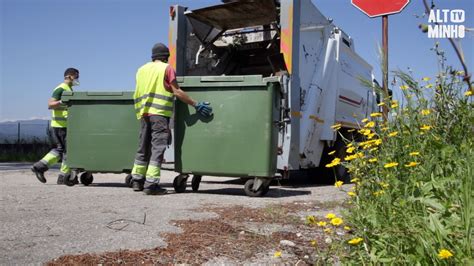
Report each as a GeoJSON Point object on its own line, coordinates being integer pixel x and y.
{"type": "Point", "coordinates": [277, 254]}
{"type": "Point", "coordinates": [330, 215]}
{"type": "Point", "coordinates": [425, 127]}
{"type": "Point", "coordinates": [310, 219]}
{"type": "Point", "coordinates": [383, 184]}
{"type": "Point", "coordinates": [350, 149]}
{"type": "Point", "coordinates": [377, 114]}
{"type": "Point", "coordinates": [373, 160]}
{"type": "Point", "coordinates": [336, 221]}
{"type": "Point", "coordinates": [338, 184]}
{"type": "Point", "coordinates": [425, 111]}
{"type": "Point", "coordinates": [384, 129]}
{"type": "Point", "coordinates": [365, 132]}
{"type": "Point", "coordinates": [336, 126]}
{"type": "Point", "coordinates": [355, 241]}
{"type": "Point", "coordinates": [351, 193]}
{"type": "Point", "coordinates": [381, 104]}
{"type": "Point", "coordinates": [393, 134]}
{"type": "Point", "coordinates": [412, 164]}
{"type": "Point", "coordinates": [468, 93]}
{"type": "Point", "coordinates": [365, 120]}
{"type": "Point", "coordinates": [313, 243]}
{"type": "Point", "coordinates": [370, 124]}
{"type": "Point", "coordinates": [321, 224]}
{"type": "Point", "coordinates": [404, 87]}
{"type": "Point", "coordinates": [371, 136]}
{"type": "Point", "coordinates": [444, 254]}
{"type": "Point", "coordinates": [331, 153]}
{"type": "Point", "coordinates": [389, 165]}
{"type": "Point", "coordinates": [415, 153]}
{"type": "Point", "coordinates": [426, 79]}
{"type": "Point", "coordinates": [378, 142]}
{"type": "Point", "coordinates": [328, 230]}
{"type": "Point", "coordinates": [359, 155]}
{"type": "Point", "coordinates": [378, 193]}
{"type": "Point", "coordinates": [394, 104]}
{"type": "Point", "coordinates": [334, 162]}
{"type": "Point", "coordinates": [355, 179]}
{"type": "Point", "coordinates": [347, 228]}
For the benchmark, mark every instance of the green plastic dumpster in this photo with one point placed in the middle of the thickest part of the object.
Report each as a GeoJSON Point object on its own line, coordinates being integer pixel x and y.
{"type": "Point", "coordinates": [239, 140]}
{"type": "Point", "coordinates": [102, 133]}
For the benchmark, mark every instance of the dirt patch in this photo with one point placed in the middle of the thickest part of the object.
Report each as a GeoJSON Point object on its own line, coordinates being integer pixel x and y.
{"type": "Point", "coordinates": [233, 235]}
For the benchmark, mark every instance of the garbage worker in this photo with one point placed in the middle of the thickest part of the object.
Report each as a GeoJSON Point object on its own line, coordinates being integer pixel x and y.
{"type": "Point", "coordinates": [59, 127]}
{"type": "Point", "coordinates": [155, 87]}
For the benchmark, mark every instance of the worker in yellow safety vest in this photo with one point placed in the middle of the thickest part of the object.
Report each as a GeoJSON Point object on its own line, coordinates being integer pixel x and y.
{"type": "Point", "coordinates": [155, 87]}
{"type": "Point", "coordinates": [59, 127]}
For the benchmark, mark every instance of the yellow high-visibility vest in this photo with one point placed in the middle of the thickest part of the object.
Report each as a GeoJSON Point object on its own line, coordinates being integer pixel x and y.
{"type": "Point", "coordinates": [150, 95]}
{"type": "Point", "coordinates": [59, 115]}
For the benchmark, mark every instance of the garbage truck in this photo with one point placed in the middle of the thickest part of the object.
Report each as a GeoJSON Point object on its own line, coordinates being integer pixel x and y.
{"type": "Point", "coordinates": [318, 74]}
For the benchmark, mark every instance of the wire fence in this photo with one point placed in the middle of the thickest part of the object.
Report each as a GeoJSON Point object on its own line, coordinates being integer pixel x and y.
{"type": "Point", "coordinates": [25, 132]}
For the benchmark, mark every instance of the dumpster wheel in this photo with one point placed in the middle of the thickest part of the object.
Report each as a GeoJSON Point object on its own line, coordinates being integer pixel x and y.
{"type": "Point", "coordinates": [71, 180]}
{"type": "Point", "coordinates": [251, 192]}
{"type": "Point", "coordinates": [86, 178]}
{"type": "Point", "coordinates": [195, 182]}
{"type": "Point", "coordinates": [128, 180]}
{"type": "Point", "coordinates": [179, 183]}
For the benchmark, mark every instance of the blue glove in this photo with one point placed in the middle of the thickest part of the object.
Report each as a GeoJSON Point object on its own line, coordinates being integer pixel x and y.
{"type": "Point", "coordinates": [204, 108]}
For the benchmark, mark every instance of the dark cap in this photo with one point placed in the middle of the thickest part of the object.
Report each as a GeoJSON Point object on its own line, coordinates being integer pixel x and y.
{"type": "Point", "coordinates": [160, 51]}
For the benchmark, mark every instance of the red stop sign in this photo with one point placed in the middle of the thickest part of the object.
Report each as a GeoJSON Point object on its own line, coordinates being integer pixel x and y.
{"type": "Point", "coordinates": [375, 8]}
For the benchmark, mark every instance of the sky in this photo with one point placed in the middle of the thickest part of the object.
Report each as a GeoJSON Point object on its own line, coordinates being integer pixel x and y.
{"type": "Point", "coordinates": [108, 40]}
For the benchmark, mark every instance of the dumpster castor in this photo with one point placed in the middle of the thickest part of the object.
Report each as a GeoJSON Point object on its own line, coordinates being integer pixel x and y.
{"type": "Point", "coordinates": [71, 180]}
{"type": "Point", "coordinates": [195, 182]}
{"type": "Point", "coordinates": [179, 183]}
{"type": "Point", "coordinates": [251, 192]}
{"type": "Point", "coordinates": [86, 178]}
{"type": "Point", "coordinates": [128, 180]}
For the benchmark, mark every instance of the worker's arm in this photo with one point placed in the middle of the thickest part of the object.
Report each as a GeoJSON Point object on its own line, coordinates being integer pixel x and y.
{"type": "Point", "coordinates": [180, 94]}
{"type": "Point", "coordinates": [54, 103]}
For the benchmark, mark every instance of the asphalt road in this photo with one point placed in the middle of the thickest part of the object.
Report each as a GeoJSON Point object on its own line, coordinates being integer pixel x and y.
{"type": "Point", "coordinates": [40, 222]}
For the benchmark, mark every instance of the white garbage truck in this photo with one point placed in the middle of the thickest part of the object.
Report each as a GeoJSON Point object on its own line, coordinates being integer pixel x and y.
{"type": "Point", "coordinates": [319, 71]}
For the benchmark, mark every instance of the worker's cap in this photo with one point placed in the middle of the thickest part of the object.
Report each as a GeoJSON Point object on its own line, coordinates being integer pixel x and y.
{"type": "Point", "coordinates": [160, 50]}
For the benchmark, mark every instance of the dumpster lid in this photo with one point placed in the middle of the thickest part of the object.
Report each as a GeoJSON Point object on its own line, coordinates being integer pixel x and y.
{"type": "Point", "coordinates": [238, 14]}
{"type": "Point", "coordinates": [225, 81]}
{"type": "Point", "coordinates": [96, 95]}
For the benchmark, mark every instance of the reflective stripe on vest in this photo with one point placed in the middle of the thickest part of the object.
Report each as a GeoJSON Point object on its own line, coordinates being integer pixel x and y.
{"type": "Point", "coordinates": [150, 95]}
{"type": "Point", "coordinates": [59, 115]}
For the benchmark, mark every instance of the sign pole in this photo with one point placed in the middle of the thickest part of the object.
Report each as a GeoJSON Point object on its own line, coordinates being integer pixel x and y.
{"type": "Point", "coordinates": [385, 61]}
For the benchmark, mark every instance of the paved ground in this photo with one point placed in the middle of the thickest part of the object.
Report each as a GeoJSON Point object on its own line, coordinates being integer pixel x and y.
{"type": "Point", "coordinates": [39, 222]}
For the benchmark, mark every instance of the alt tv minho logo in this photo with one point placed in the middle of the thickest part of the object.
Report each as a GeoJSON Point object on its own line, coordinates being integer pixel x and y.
{"type": "Point", "coordinates": [446, 23]}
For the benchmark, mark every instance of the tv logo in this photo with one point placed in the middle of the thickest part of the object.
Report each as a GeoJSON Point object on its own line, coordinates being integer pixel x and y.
{"type": "Point", "coordinates": [447, 23]}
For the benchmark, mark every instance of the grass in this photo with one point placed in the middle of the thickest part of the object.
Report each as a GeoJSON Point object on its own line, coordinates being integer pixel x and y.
{"type": "Point", "coordinates": [412, 200]}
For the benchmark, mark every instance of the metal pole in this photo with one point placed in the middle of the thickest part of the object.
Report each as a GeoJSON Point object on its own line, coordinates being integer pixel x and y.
{"type": "Point", "coordinates": [385, 61]}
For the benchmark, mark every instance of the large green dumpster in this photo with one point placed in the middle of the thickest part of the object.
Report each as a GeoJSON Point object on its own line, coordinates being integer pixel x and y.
{"type": "Point", "coordinates": [102, 131]}
{"type": "Point", "coordinates": [240, 139]}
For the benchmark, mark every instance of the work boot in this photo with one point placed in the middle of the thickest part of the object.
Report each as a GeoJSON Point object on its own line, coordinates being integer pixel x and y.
{"type": "Point", "coordinates": [155, 189]}
{"type": "Point", "coordinates": [137, 185]}
{"type": "Point", "coordinates": [60, 180]}
{"type": "Point", "coordinates": [39, 174]}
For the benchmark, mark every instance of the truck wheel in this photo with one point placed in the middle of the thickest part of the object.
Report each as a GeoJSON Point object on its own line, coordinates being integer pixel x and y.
{"type": "Point", "coordinates": [195, 182]}
{"type": "Point", "coordinates": [86, 178]}
{"type": "Point", "coordinates": [179, 183]}
{"type": "Point", "coordinates": [128, 180]}
{"type": "Point", "coordinates": [248, 187]}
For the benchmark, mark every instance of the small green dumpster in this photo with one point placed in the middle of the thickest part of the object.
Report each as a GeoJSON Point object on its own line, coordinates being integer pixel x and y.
{"type": "Point", "coordinates": [102, 133]}
{"type": "Point", "coordinates": [239, 140]}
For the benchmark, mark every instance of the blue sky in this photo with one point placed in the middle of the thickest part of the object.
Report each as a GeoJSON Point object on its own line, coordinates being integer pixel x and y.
{"type": "Point", "coordinates": [107, 40]}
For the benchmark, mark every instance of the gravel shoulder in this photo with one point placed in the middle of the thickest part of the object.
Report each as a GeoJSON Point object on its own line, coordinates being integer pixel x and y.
{"type": "Point", "coordinates": [40, 222]}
